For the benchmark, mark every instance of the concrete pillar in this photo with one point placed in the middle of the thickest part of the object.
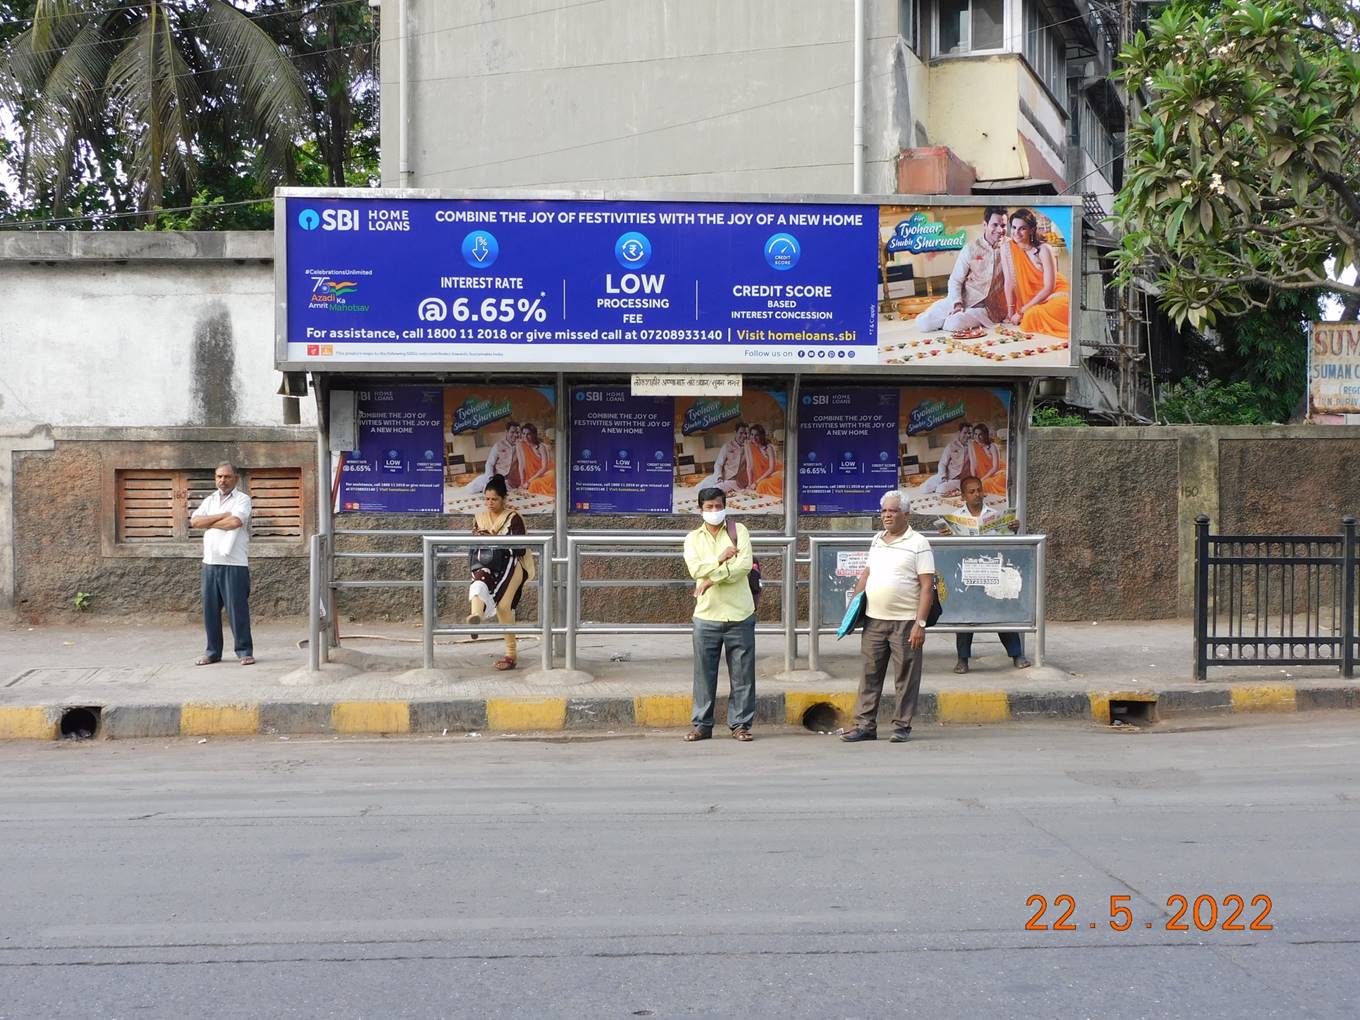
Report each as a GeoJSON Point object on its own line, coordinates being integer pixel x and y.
{"type": "Point", "coordinates": [39, 438]}
{"type": "Point", "coordinates": [1197, 464]}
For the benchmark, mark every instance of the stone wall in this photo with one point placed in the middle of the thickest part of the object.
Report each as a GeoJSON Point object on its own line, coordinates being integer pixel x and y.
{"type": "Point", "coordinates": [64, 540]}
{"type": "Point", "coordinates": [1118, 506]}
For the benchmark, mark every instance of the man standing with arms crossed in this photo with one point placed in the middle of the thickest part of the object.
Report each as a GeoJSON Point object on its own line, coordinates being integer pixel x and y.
{"type": "Point", "coordinates": [718, 556]}
{"type": "Point", "coordinates": [900, 582]}
{"type": "Point", "coordinates": [225, 519]}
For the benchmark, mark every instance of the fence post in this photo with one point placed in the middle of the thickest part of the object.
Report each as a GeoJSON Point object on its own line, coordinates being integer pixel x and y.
{"type": "Point", "coordinates": [1201, 596]}
{"type": "Point", "coordinates": [1348, 597]}
{"type": "Point", "coordinates": [429, 566]}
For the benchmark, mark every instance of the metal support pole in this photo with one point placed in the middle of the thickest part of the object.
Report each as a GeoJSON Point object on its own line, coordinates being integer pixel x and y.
{"type": "Point", "coordinates": [790, 609]}
{"type": "Point", "coordinates": [427, 578]}
{"type": "Point", "coordinates": [814, 605]}
{"type": "Point", "coordinates": [791, 498]}
{"type": "Point", "coordinates": [573, 619]}
{"type": "Point", "coordinates": [1348, 565]}
{"type": "Point", "coordinates": [1023, 398]}
{"type": "Point", "coordinates": [314, 605]}
{"type": "Point", "coordinates": [545, 608]}
{"type": "Point", "coordinates": [1040, 608]}
{"type": "Point", "coordinates": [1201, 595]}
{"type": "Point", "coordinates": [325, 510]}
{"type": "Point", "coordinates": [552, 578]}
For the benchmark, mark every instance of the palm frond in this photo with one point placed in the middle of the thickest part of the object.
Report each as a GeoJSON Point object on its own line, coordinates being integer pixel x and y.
{"type": "Point", "coordinates": [273, 97]}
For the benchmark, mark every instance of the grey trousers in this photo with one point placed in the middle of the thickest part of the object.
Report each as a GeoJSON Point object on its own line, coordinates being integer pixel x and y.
{"type": "Point", "coordinates": [228, 587]}
{"type": "Point", "coordinates": [884, 641]}
{"type": "Point", "coordinates": [711, 639]}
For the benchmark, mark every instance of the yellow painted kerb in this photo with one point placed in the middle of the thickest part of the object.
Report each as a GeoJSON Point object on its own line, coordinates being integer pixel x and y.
{"type": "Point", "coordinates": [796, 704]}
{"type": "Point", "coordinates": [27, 724]}
{"type": "Point", "coordinates": [1264, 698]}
{"type": "Point", "coordinates": [511, 714]}
{"type": "Point", "coordinates": [662, 710]}
{"type": "Point", "coordinates": [973, 706]}
{"type": "Point", "coordinates": [371, 717]}
{"type": "Point", "coordinates": [202, 720]}
{"type": "Point", "coordinates": [1100, 702]}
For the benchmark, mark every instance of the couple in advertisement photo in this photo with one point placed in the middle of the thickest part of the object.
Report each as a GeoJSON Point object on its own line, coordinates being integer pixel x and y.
{"type": "Point", "coordinates": [747, 461]}
{"type": "Point", "coordinates": [521, 458]}
{"type": "Point", "coordinates": [1008, 276]}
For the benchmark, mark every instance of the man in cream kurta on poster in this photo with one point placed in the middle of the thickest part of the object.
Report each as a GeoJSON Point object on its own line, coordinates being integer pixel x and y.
{"type": "Point", "coordinates": [224, 518]}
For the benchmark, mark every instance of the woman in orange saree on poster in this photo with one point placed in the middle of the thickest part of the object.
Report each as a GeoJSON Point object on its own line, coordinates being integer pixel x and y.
{"type": "Point", "coordinates": [989, 463]}
{"type": "Point", "coordinates": [767, 473]}
{"type": "Point", "coordinates": [1037, 295]}
{"type": "Point", "coordinates": [536, 463]}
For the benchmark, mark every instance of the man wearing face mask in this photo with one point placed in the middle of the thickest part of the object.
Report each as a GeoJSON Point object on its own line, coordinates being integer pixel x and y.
{"type": "Point", "coordinates": [718, 555]}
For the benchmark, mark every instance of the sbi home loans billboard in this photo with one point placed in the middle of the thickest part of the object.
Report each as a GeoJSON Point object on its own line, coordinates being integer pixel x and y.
{"type": "Point", "coordinates": [382, 280]}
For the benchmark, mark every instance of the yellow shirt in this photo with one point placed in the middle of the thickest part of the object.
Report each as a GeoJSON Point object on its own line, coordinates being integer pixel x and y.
{"type": "Point", "coordinates": [729, 599]}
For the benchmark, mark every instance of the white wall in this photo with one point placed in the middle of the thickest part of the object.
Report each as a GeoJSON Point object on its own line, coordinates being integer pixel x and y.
{"type": "Point", "coordinates": [662, 95]}
{"type": "Point", "coordinates": [159, 342]}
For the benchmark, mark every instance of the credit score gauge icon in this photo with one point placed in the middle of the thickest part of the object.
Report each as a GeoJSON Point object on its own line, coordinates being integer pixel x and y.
{"type": "Point", "coordinates": [782, 252]}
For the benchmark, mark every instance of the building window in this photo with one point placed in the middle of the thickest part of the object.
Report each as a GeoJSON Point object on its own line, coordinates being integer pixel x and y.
{"type": "Point", "coordinates": [1045, 52]}
{"type": "Point", "coordinates": [1096, 140]}
{"type": "Point", "coordinates": [909, 23]}
{"type": "Point", "coordinates": [153, 506]}
{"type": "Point", "coordinates": [970, 26]}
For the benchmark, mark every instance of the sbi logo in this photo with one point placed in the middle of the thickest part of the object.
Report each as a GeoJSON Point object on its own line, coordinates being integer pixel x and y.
{"type": "Point", "coordinates": [330, 219]}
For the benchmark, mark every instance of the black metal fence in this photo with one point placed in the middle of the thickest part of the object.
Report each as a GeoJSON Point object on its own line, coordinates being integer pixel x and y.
{"type": "Point", "coordinates": [1272, 600]}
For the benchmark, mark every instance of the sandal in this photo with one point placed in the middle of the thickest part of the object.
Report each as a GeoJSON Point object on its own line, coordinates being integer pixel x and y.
{"type": "Point", "coordinates": [505, 663]}
{"type": "Point", "coordinates": [247, 660]}
{"type": "Point", "coordinates": [204, 660]}
{"type": "Point", "coordinates": [694, 735]}
{"type": "Point", "coordinates": [743, 734]}
{"type": "Point", "coordinates": [961, 666]}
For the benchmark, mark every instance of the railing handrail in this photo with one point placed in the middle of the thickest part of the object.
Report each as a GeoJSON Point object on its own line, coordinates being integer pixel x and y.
{"type": "Point", "coordinates": [432, 543]}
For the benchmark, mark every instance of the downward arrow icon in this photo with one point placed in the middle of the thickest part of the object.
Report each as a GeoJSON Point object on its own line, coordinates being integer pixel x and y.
{"type": "Point", "coordinates": [479, 248]}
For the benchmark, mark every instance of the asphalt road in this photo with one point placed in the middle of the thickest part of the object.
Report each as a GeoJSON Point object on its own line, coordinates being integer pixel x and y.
{"type": "Point", "coordinates": [792, 877]}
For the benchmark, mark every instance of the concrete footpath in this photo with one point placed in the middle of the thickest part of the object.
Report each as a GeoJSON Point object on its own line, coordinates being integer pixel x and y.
{"type": "Point", "coordinates": [127, 679]}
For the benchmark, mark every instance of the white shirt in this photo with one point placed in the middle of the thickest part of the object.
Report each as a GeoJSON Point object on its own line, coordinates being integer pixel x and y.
{"type": "Point", "coordinates": [502, 458]}
{"type": "Point", "coordinates": [226, 548]}
{"type": "Point", "coordinates": [729, 461]}
{"type": "Point", "coordinates": [953, 461]}
{"type": "Point", "coordinates": [894, 587]}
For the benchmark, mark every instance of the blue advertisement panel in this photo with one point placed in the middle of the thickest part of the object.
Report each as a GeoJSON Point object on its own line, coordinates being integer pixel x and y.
{"type": "Point", "coordinates": [481, 281]}
{"type": "Point", "coordinates": [376, 278]}
{"type": "Point", "coordinates": [622, 451]}
{"type": "Point", "coordinates": [847, 449]}
{"type": "Point", "coordinates": [399, 466]}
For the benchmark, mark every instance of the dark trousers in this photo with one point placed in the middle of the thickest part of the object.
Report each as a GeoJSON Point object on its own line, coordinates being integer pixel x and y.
{"type": "Point", "coordinates": [885, 641]}
{"type": "Point", "coordinates": [738, 639]}
{"type": "Point", "coordinates": [228, 587]}
{"type": "Point", "coordinates": [1013, 643]}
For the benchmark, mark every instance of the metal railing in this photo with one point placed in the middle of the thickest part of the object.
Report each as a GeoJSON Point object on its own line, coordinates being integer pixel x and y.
{"type": "Point", "coordinates": [432, 551]}
{"type": "Point", "coordinates": [787, 584]}
{"type": "Point", "coordinates": [860, 542]}
{"type": "Point", "coordinates": [1273, 600]}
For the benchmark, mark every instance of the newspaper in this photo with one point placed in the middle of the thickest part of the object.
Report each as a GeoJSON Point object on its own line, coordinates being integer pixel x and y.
{"type": "Point", "coordinates": [966, 524]}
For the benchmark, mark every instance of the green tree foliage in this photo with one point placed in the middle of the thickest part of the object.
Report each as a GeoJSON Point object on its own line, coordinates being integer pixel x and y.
{"type": "Point", "coordinates": [1211, 403]}
{"type": "Point", "coordinates": [1056, 417]}
{"type": "Point", "coordinates": [120, 107]}
{"type": "Point", "coordinates": [1242, 178]}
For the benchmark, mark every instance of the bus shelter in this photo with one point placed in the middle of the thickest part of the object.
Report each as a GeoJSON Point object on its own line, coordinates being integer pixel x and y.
{"type": "Point", "coordinates": [612, 354]}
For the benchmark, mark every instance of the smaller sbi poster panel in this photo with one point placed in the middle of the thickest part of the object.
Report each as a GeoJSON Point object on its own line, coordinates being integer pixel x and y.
{"type": "Point", "coordinates": [622, 451]}
{"type": "Point", "coordinates": [499, 430]}
{"type": "Point", "coordinates": [948, 433]}
{"type": "Point", "coordinates": [847, 449]}
{"type": "Point", "coordinates": [399, 465]}
{"type": "Point", "coordinates": [735, 444]}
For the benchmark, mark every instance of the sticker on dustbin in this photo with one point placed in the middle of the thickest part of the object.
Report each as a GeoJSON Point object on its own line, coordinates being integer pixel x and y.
{"type": "Point", "coordinates": [851, 562]}
{"type": "Point", "coordinates": [992, 574]}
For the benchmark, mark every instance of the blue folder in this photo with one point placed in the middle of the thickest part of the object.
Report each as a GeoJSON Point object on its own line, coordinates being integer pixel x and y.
{"type": "Point", "coordinates": [854, 615]}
